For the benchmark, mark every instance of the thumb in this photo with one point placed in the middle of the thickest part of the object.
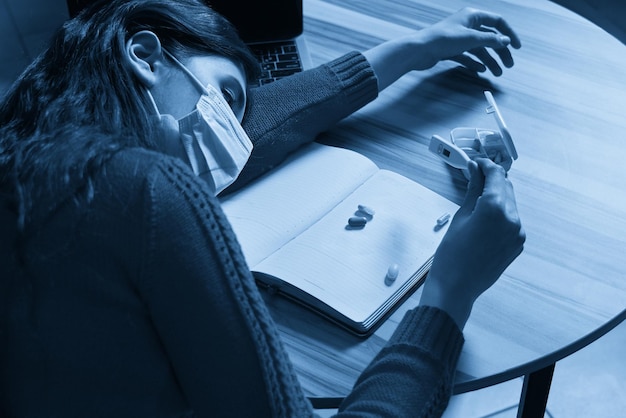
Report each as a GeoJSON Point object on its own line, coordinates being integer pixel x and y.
{"type": "Point", "coordinates": [474, 189]}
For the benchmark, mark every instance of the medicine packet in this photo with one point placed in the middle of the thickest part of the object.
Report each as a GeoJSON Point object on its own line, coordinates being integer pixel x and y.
{"type": "Point", "coordinates": [470, 143]}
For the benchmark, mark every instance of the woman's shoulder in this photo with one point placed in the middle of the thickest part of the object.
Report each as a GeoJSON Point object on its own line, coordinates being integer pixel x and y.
{"type": "Point", "coordinates": [140, 170]}
{"type": "Point", "coordinates": [138, 159]}
{"type": "Point", "coordinates": [135, 171]}
{"type": "Point", "coordinates": [140, 163]}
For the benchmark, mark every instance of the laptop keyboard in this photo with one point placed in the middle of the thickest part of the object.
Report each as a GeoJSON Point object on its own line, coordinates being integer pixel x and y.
{"type": "Point", "coordinates": [278, 60]}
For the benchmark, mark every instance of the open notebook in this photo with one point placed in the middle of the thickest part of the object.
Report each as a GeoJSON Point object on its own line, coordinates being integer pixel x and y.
{"type": "Point", "coordinates": [293, 227]}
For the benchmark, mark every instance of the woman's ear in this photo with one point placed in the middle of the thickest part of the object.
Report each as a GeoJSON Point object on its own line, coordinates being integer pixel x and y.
{"type": "Point", "coordinates": [144, 54]}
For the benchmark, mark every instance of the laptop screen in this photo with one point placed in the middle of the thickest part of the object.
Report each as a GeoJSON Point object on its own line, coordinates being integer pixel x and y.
{"type": "Point", "coordinates": [256, 20]}
{"type": "Point", "coordinates": [262, 20]}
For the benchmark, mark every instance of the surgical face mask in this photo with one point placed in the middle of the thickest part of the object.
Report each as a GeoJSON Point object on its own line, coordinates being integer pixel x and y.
{"type": "Point", "coordinates": [213, 141]}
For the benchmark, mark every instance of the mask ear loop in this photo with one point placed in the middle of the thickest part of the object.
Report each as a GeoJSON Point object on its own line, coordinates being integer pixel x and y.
{"type": "Point", "coordinates": [154, 105]}
{"type": "Point", "coordinates": [186, 71]}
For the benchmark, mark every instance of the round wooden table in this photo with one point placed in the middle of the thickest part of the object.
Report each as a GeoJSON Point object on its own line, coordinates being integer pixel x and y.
{"type": "Point", "coordinates": [564, 103]}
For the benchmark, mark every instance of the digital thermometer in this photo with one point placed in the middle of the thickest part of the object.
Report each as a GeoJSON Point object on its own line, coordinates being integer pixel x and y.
{"type": "Point", "coordinates": [470, 143]}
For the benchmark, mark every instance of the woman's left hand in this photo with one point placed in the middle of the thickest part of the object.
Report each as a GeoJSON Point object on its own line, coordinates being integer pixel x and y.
{"type": "Point", "coordinates": [465, 37]}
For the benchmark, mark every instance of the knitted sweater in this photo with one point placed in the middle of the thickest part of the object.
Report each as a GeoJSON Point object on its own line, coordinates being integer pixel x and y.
{"type": "Point", "coordinates": [140, 303]}
{"type": "Point", "coordinates": [283, 115]}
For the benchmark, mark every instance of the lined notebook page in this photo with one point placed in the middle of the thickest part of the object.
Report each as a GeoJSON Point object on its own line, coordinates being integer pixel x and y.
{"type": "Point", "coordinates": [285, 202]}
{"type": "Point", "coordinates": [346, 268]}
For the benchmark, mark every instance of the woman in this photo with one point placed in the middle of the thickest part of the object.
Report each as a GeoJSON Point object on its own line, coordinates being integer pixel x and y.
{"type": "Point", "coordinates": [124, 291]}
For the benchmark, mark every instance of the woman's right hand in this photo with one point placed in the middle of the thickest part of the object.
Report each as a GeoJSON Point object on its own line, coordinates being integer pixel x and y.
{"type": "Point", "coordinates": [484, 237]}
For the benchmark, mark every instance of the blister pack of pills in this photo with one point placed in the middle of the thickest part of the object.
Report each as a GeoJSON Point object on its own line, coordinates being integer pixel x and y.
{"type": "Point", "coordinates": [467, 144]}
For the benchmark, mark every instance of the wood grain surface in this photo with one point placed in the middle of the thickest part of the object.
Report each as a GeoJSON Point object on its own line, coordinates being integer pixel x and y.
{"type": "Point", "coordinates": [564, 103]}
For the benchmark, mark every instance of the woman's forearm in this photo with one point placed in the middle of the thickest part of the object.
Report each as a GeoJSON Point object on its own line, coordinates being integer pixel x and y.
{"type": "Point", "coordinates": [289, 113]}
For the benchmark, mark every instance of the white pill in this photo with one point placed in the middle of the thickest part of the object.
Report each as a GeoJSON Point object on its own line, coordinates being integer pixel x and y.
{"type": "Point", "coordinates": [367, 210]}
{"type": "Point", "coordinates": [357, 221]}
{"type": "Point", "coordinates": [392, 273]}
{"type": "Point", "coordinates": [443, 219]}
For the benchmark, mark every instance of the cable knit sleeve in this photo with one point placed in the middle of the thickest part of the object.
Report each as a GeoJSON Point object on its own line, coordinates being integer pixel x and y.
{"type": "Point", "coordinates": [412, 376]}
{"type": "Point", "coordinates": [284, 115]}
{"type": "Point", "coordinates": [221, 342]}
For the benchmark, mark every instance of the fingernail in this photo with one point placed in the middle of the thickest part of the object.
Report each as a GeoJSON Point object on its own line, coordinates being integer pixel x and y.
{"type": "Point", "coordinates": [505, 40]}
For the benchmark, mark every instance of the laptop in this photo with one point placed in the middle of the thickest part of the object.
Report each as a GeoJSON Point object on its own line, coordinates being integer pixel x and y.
{"type": "Point", "coordinates": [271, 28]}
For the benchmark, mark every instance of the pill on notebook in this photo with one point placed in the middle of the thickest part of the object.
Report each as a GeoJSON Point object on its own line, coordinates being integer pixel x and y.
{"type": "Point", "coordinates": [366, 210]}
{"type": "Point", "coordinates": [357, 221]}
{"type": "Point", "coordinates": [443, 219]}
{"type": "Point", "coordinates": [392, 274]}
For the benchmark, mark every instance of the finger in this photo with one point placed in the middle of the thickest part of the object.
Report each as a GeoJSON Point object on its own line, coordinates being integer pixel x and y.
{"type": "Point", "coordinates": [470, 63]}
{"type": "Point", "coordinates": [499, 44]}
{"type": "Point", "coordinates": [486, 37]}
{"type": "Point", "coordinates": [495, 178]}
{"type": "Point", "coordinates": [499, 188]}
{"type": "Point", "coordinates": [482, 18]}
{"type": "Point", "coordinates": [488, 60]}
{"type": "Point", "coordinates": [474, 189]}
{"type": "Point", "coordinates": [510, 205]}
{"type": "Point", "coordinates": [505, 56]}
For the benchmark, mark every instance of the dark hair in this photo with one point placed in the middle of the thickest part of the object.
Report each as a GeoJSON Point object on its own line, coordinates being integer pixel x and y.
{"type": "Point", "coordinates": [78, 103]}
